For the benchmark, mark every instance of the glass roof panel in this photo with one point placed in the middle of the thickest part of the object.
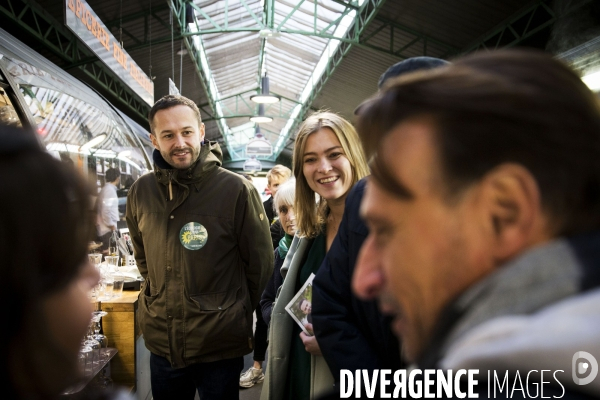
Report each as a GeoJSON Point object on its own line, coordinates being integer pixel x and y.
{"type": "Point", "coordinates": [235, 53]}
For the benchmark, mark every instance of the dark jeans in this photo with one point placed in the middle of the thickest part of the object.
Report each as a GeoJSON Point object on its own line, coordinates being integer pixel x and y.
{"type": "Point", "coordinates": [217, 380]}
{"type": "Point", "coordinates": [260, 336]}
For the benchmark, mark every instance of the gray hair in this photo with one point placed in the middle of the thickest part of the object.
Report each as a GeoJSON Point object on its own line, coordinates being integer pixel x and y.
{"type": "Point", "coordinates": [285, 194]}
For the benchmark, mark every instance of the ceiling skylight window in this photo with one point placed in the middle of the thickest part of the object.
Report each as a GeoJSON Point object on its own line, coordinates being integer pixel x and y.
{"type": "Point", "coordinates": [239, 40]}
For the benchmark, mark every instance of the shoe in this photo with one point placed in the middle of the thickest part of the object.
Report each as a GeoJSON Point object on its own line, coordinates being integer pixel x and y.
{"type": "Point", "coordinates": [251, 377]}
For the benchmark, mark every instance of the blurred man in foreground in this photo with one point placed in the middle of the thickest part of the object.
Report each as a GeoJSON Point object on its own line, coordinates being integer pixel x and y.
{"type": "Point", "coordinates": [484, 213]}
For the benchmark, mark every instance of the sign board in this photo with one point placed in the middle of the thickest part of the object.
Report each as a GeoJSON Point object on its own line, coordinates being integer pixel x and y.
{"type": "Point", "coordinates": [259, 147]}
{"type": "Point", "coordinates": [81, 19]}
{"type": "Point", "coordinates": [252, 164]}
{"type": "Point", "coordinates": [172, 87]}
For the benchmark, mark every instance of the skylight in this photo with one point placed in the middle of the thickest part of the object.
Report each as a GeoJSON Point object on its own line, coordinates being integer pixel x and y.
{"type": "Point", "coordinates": [240, 43]}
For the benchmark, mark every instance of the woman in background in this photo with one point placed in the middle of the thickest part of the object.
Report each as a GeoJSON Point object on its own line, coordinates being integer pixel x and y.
{"type": "Point", "coordinates": [46, 224]}
{"type": "Point", "coordinates": [328, 160]}
{"type": "Point", "coordinates": [284, 205]}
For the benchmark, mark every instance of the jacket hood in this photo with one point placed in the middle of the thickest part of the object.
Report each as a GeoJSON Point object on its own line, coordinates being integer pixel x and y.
{"type": "Point", "coordinates": [210, 157]}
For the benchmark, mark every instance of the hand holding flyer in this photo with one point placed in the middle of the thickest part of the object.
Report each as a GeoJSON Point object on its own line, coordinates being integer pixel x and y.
{"type": "Point", "coordinates": [300, 306]}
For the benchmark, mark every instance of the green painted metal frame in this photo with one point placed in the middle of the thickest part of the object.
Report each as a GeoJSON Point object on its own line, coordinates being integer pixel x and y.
{"type": "Point", "coordinates": [358, 36]}
{"type": "Point", "coordinates": [515, 29]}
{"type": "Point", "coordinates": [179, 11]}
{"type": "Point", "coordinates": [58, 39]}
{"type": "Point", "coordinates": [385, 26]}
{"type": "Point", "coordinates": [365, 16]}
{"type": "Point", "coordinates": [390, 28]}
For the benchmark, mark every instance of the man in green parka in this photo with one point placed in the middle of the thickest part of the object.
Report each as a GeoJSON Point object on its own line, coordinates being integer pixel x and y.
{"type": "Point", "coordinates": [202, 243]}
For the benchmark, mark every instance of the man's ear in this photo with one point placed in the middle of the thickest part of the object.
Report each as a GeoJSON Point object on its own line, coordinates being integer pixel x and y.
{"type": "Point", "coordinates": [513, 211]}
{"type": "Point", "coordinates": [202, 131]}
{"type": "Point", "coordinates": [154, 141]}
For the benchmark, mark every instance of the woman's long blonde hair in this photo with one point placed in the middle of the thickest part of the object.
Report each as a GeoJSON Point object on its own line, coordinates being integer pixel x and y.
{"type": "Point", "coordinates": [310, 216]}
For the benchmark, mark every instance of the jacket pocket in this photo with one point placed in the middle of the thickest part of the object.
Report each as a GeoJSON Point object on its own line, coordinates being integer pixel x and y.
{"type": "Point", "coordinates": [215, 301]}
{"type": "Point", "coordinates": [149, 298]}
{"type": "Point", "coordinates": [217, 323]}
{"type": "Point", "coordinates": [151, 319]}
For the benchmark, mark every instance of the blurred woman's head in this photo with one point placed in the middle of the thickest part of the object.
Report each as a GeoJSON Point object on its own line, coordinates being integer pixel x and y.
{"type": "Point", "coordinates": [284, 206]}
{"type": "Point", "coordinates": [328, 160]}
{"type": "Point", "coordinates": [45, 227]}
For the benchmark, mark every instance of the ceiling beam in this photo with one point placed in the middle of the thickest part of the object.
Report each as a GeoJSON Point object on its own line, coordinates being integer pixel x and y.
{"type": "Point", "coordinates": [384, 28]}
{"type": "Point", "coordinates": [364, 18]}
{"type": "Point", "coordinates": [350, 4]}
{"type": "Point", "coordinates": [514, 30]}
{"type": "Point", "coordinates": [137, 15]}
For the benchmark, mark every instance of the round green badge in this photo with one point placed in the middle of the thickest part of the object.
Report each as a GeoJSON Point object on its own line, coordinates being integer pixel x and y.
{"type": "Point", "coordinates": [193, 236]}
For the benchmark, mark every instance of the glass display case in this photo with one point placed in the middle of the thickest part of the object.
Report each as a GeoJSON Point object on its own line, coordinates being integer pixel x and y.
{"type": "Point", "coordinates": [72, 121]}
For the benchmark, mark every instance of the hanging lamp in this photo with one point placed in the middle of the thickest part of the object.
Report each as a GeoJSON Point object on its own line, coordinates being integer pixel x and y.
{"type": "Point", "coordinates": [261, 118]}
{"type": "Point", "coordinates": [264, 97]}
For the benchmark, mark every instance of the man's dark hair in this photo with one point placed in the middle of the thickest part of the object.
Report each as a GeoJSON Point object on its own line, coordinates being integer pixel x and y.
{"type": "Point", "coordinates": [169, 101]}
{"type": "Point", "coordinates": [509, 106]}
{"type": "Point", "coordinates": [112, 174]}
{"type": "Point", "coordinates": [403, 67]}
{"type": "Point", "coordinates": [410, 65]}
{"type": "Point", "coordinates": [245, 175]}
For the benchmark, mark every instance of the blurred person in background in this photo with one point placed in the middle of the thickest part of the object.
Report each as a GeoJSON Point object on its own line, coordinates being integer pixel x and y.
{"type": "Point", "coordinates": [284, 205]}
{"type": "Point", "coordinates": [107, 207]}
{"type": "Point", "coordinates": [275, 178]}
{"type": "Point", "coordinates": [328, 160]}
{"type": "Point", "coordinates": [45, 227]}
{"type": "Point", "coordinates": [483, 210]}
{"type": "Point", "coordinates": [353, 333]}
{"type": "Point", "coordinates": [245, 175]}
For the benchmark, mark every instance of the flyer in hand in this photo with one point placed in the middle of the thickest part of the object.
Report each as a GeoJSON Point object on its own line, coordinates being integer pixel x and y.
{"type": "Point", "coordinates": [301, 305]}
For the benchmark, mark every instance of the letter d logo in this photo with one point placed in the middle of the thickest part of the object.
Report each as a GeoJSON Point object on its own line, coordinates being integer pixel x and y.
{"type": "Point", "coordinates": [581, 367]}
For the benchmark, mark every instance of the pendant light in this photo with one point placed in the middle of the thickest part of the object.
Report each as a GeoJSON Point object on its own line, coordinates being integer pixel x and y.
{"type": "Point", "coordinates": [261, 118]}
{"type": "Point", "coordinates": [264, 97]}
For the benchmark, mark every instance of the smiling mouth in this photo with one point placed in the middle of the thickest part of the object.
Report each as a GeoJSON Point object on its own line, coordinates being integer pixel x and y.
{"type": "Point", "coordinates": [180, 153]}
{"type": "Point", "coordinates": [328, 180]}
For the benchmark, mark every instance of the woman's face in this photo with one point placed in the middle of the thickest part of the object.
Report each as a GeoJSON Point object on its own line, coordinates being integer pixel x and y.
{"type": "Point", "coordinates": [68, 312]}
{"type": "Point", "coordinates": [325, 165]}
{"type": "Point", "coordinates": [287, 218]}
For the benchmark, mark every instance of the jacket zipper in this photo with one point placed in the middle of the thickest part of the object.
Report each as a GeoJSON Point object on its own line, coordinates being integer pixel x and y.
{"type": "Point", "coordinates": [170, 185]}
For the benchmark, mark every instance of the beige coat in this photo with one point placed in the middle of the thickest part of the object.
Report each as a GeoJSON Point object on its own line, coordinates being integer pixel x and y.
{"type": "Point", "coordinates": [280, 335]}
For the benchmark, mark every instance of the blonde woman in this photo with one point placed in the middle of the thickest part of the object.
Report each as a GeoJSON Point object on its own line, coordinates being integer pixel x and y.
{"type": "Point", "coordinates": [328, 160]}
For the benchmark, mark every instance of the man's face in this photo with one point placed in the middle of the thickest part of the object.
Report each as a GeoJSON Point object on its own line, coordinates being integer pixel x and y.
{"type": "Point", "coordinates": [177, 134]}
{"type": "Point", "coordinates": [422, 251]}
{"type": "Point", "coordinates": [274, 183]}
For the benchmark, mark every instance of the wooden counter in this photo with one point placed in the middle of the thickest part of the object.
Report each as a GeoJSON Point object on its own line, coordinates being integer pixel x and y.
{"type": "Point", "coordinates": [130, 367]}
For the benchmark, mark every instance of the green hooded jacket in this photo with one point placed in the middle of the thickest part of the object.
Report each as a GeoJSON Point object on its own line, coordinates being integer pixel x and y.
{"type": "Point", "coordinates": [202, 243]}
